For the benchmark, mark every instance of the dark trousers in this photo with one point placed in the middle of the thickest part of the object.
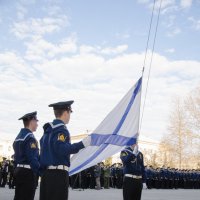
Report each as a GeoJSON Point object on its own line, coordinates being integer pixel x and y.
{"type": "Point", "coordinates": [132, 188]}
{"type": "Point", "coordinates": [149, 183]}
{"type": "Point", "coordinates": [157, 184]}
{"type": "Point", "coordinates": [92, 182]}
{"type": "Point", "coordinates": [11, 180]}
{"type": "Point", "coordinates": [25, 181]}
{"type": "Point", "coordinates": [176, 184]}
{"type": "Point", "coordinates": [4, 179]}
{"type": "Point", "coordinates": [54, 185]}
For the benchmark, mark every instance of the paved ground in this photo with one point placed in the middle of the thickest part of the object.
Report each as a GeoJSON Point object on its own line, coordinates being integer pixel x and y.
{"type": "Point", "coordinates": [115, 194]}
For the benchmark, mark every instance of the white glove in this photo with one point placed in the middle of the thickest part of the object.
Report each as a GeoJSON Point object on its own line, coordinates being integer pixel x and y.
{"type": "Point", "coordinates": [135, 150]}
{"type": "Point", "coordinates": [87, 141]}
{"type": "Point", "coordinates": [144, 186]}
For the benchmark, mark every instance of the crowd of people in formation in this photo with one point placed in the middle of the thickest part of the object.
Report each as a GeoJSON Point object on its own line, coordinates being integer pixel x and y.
{"type": "Point", "coordinates": [171, 178]}
{"type": "Point", "coordinates": [104, 176]}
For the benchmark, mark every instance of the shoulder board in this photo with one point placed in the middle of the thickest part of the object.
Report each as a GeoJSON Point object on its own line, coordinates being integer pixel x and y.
{"type": "Point", "coordinates": [124, 153]}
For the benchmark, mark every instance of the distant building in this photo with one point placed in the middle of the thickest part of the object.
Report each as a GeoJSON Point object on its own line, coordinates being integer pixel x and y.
{"type": "Point", "coordinates": [147, 146]}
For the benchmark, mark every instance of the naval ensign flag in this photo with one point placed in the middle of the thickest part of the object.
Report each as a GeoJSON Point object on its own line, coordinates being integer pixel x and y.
{"type": "Point", "coordinates": [118, 130]}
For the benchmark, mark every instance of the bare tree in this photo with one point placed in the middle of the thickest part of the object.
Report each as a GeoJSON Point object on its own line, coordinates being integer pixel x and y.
{"type": "Point", "coordinates": [166, 149]}
{"type": "Point", "coordinates": [181, 146]}
{"type": "Point", "coordinates": [192, 109]}
{"type": "Point", "coordinates": [192, 106]}
{"type": "Point", "coordinates": [178, 131]}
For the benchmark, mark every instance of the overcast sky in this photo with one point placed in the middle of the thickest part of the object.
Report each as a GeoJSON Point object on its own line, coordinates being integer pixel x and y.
{"type": "Point", "coordinates": [92, 51]}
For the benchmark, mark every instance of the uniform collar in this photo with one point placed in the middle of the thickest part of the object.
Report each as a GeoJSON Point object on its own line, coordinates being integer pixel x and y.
{"type": "Point", "coordinates": [23, 134]}
{"type": "Point", "coordinates": [131, 151]}
{"type": "Point", "coordinates": [25, 131]}
{"type": "Point", "coordinates": [58, 121]}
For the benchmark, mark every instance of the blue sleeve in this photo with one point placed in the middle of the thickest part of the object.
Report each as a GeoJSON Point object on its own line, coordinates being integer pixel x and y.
{"type": "Point", "coordinates": [32, 153]}
{"type": "Point", "coordinates": [126, 157]}
{"type": "Point", "coordinates": [62, 145]}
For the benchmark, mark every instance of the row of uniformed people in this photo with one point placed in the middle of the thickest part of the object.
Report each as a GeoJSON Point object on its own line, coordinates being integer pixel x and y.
{"type": "Point", "coordinates": [112, 177]}
{"type": "Point", "coordinates": [169, 178]}
{"type": "Point", "coordinates": [52, 163]}
{"type": "Point", "coordinates": [160, 178]}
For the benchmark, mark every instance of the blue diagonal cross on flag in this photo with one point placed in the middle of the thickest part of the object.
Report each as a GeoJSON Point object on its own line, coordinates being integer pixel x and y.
{"type": "Point", "coordinates": [118, 130]}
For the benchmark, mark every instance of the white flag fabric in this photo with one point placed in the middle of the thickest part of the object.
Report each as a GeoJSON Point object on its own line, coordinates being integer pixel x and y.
{"type": "Point", "coordinates": [118, 130]}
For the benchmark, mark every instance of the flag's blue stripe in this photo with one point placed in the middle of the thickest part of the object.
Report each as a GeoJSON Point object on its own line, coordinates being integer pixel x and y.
{"type": "Point", "coordinates": [119, 140]}
{"type": "Point", "coordinates": [100, 150]}
{"type": "Point", "coordinates": [115, 132]}
{"type": "Point", "coordinates": [104, 145]}
{"type": "Point", "coordinates": [114, 139]}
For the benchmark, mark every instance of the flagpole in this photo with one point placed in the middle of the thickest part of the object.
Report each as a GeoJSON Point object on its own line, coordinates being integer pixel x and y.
{"type": "Point", "coordinates": [143, 68]}
{"type": "Point", "coordinates": [151, 59]}
{"type": "Point", "coordinates": [139, 128]}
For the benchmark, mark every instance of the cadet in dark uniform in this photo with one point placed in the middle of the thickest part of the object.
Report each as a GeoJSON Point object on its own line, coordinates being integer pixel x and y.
{"type": "Point", "coordinates": [119, 176]}
{"type": "Point", "coordinates": [55, 154]}
{"type": "Point", "coordinates": [150, 177]}
{"type": "Point", "coordinates": [26, 158]}
{"type": "Point", "coordinates": [11, 174]}
{"type": "Point", "coordinates": [113, 176]}
{"type": "Point", "coordinates": [92, 177]}
{"type": "Point", "coordinates": [4, 172]}
{"type": "Point", "coordinates": [134, 173]}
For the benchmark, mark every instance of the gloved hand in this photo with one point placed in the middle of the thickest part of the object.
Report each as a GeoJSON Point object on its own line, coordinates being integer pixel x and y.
{"type": "Point", "coordinates": [87, 141]}
{"type": "Point", "coordinates": [144, 186]}
{"type": "Point", "coordinates": [135, 150]}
